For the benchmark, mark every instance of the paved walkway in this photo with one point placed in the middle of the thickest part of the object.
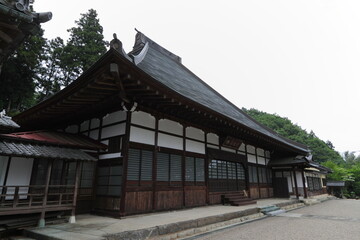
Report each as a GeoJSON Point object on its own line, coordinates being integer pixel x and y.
{"type": "Point", "coordinates": [334, 219]}
{"type": "Point", "coordinates": [90, 227]}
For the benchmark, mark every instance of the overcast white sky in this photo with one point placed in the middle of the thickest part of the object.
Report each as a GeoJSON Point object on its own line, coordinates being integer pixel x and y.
{"type": "Point", "coordinates": [299, 59]}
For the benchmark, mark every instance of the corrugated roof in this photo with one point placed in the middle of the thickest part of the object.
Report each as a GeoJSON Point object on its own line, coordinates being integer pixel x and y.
{"type": "Point", "coordinates": [170, 72]}
{"type": "Point", "coordinates": [22, 149]}
{"type": "Point", "coordinates": [57, 138]}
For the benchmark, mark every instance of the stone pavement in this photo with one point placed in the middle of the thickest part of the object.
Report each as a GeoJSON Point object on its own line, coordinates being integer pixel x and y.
{"type": "Point", "coordinates": [337, 219]}
{"type": "Point", "coordinates": [164, 225]}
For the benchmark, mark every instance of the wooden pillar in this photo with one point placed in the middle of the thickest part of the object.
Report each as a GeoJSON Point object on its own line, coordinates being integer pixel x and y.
{"type": "Point", "coordinates": [303, 178]}
{"type": "Point", "coordinates": [257, 172]}
{"type": "Point", "coordinates": [154, 167]}
{"type": "Point", "coordinates": [246, 166]}
{"type": "Point", "coordinates": [76, 190]}
{"type": "Point", "coordinates": [206, 171]}
{"type": "Point", "coordinates": [4, 189]}
{"type": "Point", "coordinates": [183, 165]}
{"type": "Point", "coordinates": [125, 154]}
{"type": "Point", "coordinates": [296, 185]}
{"type": "Point", "coordinates": [247, 180]}
{"type": "Point", "coordinates": [46, 192]}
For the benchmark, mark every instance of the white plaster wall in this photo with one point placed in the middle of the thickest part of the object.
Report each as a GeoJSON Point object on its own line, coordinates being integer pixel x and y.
{"type": "Point", "coordinates": [195, 133]}
{"type": "Point", "coordinates": [109, 156]}
{"type": "Point", "coordinates": [3, 167]}
{"type": "Point", "coordinates": [299, 179]}
{"type": "Point", "coordinates": [143, 119]}
{"type": "Point", "coordinates": [72, 129]}
{"type": "Point", "coordinates": [142, 136]}
{"type": "Point", "coordinates": [111, 131]}
{"type": "Point", "coordinates": [94, 134]}
{"type": "Point", "coordinates": [170, 127]}
{"type": "Point", "coordinates": [242, 147]}
{"type": "Point", "coordinates": [84, 126]}
{"type": "Point", "coordinates": [250, 149]}
{"type": "Point", "coordinates": [165, 140]}
{"type": "Point", "coordinates": [19, 174]}
{"type": "Point", "coordinates": [228, 149]}
{"type": "Point", "coordinates": [213, 138]}
{"type": "Point", "coordinates": [95, 123]}
{"type": "Point", "coordinates": [260, 152]}
{"type": "Point", "coordinates": [251, 158]}
{"type": "Point", "coordinates": [290, 186]}
{"type": "Point", "coordinates": [261, 160]}
{"type": "Point", "coordinates": [197, 147]}
{"type": "Point", "coordinates": [114, 117]}
{"type": "Point", "coordinates": [212, 146]}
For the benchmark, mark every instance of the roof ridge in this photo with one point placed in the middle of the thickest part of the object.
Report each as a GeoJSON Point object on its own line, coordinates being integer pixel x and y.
{"type": "Point", "coordinates": [140, 41]}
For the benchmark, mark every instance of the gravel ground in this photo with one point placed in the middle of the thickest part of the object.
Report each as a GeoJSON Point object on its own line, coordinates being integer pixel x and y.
{"type": "Point", "coordinates": [333, 219]}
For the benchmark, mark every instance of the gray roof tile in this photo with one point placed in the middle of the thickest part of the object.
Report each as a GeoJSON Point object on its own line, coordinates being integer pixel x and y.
{"type": "Point", "coordinates": [42, 151]}
{"type": "Point", "coordinates": [171, 73]}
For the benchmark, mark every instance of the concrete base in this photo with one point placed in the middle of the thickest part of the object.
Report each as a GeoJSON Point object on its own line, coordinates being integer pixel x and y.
{"type": "Point", "coordinates": [72, 219]}
{"type": "Point", "coordinates": [41, 223]}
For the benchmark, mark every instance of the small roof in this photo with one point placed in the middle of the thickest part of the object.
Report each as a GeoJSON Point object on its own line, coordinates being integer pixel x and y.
{"type": "Point", "coordinates": [7, 123]}
{"type": "Point", "coordinates": [18, 21]}
{"type": "Point", "coordinates": [56, 138]}
{"type": "Point", "coordinates": [298, 161]}
{"type": "Point", "coordinates": [22, 149]}
{"type": "Point", "coordinates": [335, 184]}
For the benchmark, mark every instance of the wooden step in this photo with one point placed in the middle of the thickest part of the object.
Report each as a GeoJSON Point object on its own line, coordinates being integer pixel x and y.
{"type": "Point", "coordinates": [243, 203]}
{"type": "Point", "coordinates": [237, 199]}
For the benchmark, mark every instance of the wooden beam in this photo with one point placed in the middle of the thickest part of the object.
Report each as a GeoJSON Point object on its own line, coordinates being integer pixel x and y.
{"type": "Point", "coordinates": [46, 192]}
{"type": "Point", "coordinates": [295, 181]}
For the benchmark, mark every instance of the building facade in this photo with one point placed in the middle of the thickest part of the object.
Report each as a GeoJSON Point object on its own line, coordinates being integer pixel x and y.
{"type": "Point", "coordinates": [172, 141]}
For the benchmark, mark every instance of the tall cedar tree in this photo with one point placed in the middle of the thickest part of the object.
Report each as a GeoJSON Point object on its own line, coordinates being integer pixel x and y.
{"type": "Point", "coordinates": [85, 46]}
{"type": "Point", "coordinates": [49, 77]}
{"type": "Point", "coordinates": [17, 91]}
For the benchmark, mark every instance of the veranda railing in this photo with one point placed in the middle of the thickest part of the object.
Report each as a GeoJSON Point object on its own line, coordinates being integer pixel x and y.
{"type": "Point", "coordinates": [33, 198]}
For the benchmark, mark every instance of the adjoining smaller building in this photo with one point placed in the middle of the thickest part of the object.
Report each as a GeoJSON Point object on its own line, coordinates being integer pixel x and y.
{"type": "Point", "coordinates": [336, 188]}
{"type": "Point", "coordinates": [298, 177]}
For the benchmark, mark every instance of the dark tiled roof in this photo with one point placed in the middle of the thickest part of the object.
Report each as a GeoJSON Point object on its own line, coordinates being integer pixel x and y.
{"type": "Point", "coordinates": [335, 184]}
{"type": "Point", "coordinates": [22, 149]}
{"type": "Point", "coordinates": [57, 138]}
{"type": "Point", "coordinates": [298, 161]}
{"type": "Point", "coordinates": [161, 64]}
{"type": "Point", "coordinates": [7, 122]}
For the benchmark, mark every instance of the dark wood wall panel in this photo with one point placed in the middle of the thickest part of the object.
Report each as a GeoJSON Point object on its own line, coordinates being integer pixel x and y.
{"type": "Point", "coordinates": [195, 196]}
{"type": "Point", "coordinates": [169, 200]}
{"type": "Point", "coordinates": [107, 203]}
{"type": "Point", "coordinates": [254, 192]}
{"type": "Point", "coordinates": [136, 202]}
{"type": "Point", "coordinates": [215, 198]}
{"type": "Point", "coordinates": [271, 192]}
{"type": "Point", "coordinates": [264, 193]}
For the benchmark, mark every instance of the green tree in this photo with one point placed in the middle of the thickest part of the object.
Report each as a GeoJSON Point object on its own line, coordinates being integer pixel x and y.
{"type": "Point", "coordinates": [85, 46]}
{"type": "Point", "coordinates": [322, 151]}
{"type": "Point", "coordinates": [49, 77]}
{"type": "Point", "coordinates": [17, 91]}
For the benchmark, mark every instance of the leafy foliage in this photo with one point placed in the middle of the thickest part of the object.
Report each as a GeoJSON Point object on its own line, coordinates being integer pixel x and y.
{"type": "Point", "coordinates": [39, 68]}
{"type": "Point", "coordinates": [17, 90]}
{"type": "Point", "coordinates": [85, 46]}
{"type": "Point", "coordinates": [322, 151]}
{"type": "Point", "coordinates": [344, 168]}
